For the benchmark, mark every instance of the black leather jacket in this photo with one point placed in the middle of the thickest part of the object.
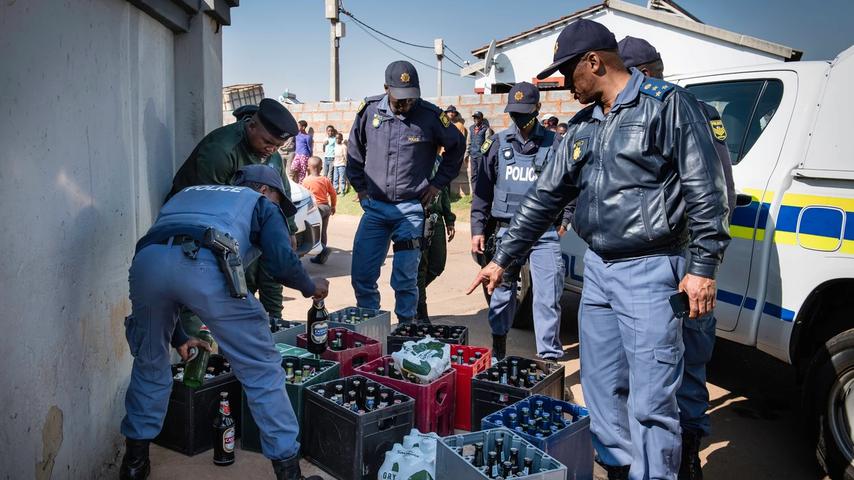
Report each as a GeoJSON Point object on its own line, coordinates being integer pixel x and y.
{"type": "Point", "coordinates": [646, 177]}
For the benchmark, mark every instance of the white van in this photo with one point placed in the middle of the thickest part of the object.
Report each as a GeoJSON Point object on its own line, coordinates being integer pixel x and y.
{"type": "Point", "coordinates": [786, 285]}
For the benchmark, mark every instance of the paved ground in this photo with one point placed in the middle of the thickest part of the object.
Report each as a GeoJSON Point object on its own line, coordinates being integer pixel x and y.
{"type": "Point", "coordinates": [756, 428]}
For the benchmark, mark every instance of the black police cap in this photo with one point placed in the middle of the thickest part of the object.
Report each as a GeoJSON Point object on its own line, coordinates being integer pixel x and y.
{"type": "Point", "coordinates": [265, 175]}
{"type": "Point", "coordinates": [578, 38]}
{"type": "Point", "coordinates": [277, 119]}
{"type": "Point", "coordinates": [523, 98]}
{"type": "Point", "coordinates": [402, 80]}
{"type": "Point", "coordinates": [245, 111]}
{"type": "Point", "coordinates": [637, 51]}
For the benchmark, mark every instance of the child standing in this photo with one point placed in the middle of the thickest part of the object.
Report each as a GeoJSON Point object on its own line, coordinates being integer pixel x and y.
{"type": "Point", "coordinates": [304, 147]}
{"type": "Point", "coordinates": [325, 197]}
{"type": "Point", "coordinates": [329, 152]}
{"type": "Point", "coordinates": [339, 180]}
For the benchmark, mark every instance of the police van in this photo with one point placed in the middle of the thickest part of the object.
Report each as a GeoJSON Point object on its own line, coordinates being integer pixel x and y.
{"type": "Point", "coordinates": [786, 285]}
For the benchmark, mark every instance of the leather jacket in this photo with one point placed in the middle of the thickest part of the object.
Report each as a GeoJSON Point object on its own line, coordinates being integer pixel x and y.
{"type": "Point", "coordinates": [646, 177]}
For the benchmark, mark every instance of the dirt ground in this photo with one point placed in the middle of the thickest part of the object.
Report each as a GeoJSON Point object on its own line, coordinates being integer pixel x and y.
{"type": "Point", "coordinates": [756, 426]}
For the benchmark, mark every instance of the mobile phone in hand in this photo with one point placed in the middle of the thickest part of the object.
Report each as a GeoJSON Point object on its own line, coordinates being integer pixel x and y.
{"type": "Point", "coordinates": [679, 304]}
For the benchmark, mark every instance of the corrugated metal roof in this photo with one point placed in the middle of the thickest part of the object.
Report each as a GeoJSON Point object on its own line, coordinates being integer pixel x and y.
{"type": "Point", "coordinates": [684, 21]}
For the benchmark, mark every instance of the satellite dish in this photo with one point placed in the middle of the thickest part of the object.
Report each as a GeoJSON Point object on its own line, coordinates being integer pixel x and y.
{"type": "Point", "coordinates": [484, 66]}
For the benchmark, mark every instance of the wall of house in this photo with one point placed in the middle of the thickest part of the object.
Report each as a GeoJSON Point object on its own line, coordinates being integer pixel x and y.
{"type": "Point", "coordinates": [682, 51]}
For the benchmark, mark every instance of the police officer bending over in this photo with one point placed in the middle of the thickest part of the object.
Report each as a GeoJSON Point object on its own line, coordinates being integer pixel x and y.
{"type": "Point", "coordinates": [193, 256]}
{"type": "Point", "coordinates": [698, 335]}
{"type": "Point", "coordinates": [393, 146]}
{"type": "Point", "coordinates": [641, 161]}
{"type": "Point", "coordinates": [514, 159]}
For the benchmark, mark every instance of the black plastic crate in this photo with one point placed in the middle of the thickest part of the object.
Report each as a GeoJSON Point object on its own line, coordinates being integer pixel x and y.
{"type": "Point", "coordinates": [188, 426]}
{"type": "Point", "coordinates": [326, 370]}
{"type": "Point", "coordinates": [488, 396]}
{"type": "Point", "coordinates": [347, 444]}
{"type": "Point", "coordinates": [443, 333]}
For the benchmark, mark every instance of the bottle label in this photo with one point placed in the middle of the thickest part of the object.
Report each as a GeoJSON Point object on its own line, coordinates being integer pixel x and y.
{"type": "Point", "coordinates": [224, 408]}
{"type": "Point", "coordinates": [319, 331]}
{"type": "Point", "coordinates": [228, 440]}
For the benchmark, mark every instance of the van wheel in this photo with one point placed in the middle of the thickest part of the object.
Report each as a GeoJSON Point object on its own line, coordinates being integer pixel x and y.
{"type": "Point", "coordinates": [524, 318]}
{"type": "Point", "coordinates": [829, 394]}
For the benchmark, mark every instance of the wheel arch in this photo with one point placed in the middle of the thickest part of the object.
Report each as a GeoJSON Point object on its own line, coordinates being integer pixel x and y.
{"type": "Point", "coordinates": [820, 318]}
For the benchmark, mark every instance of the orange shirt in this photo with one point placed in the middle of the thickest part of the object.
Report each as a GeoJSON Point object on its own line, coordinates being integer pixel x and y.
{"type": "Point", "coordinates": [321, 189]}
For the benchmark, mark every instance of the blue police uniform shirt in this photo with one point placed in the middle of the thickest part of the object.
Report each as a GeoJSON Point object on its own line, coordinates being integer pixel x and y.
{"type": "Point", "coordinates": [391, 156]}
{"type": "Point", "coordinates": [255, 222]}
{"type": "Point", "coordinates": [484, 190]}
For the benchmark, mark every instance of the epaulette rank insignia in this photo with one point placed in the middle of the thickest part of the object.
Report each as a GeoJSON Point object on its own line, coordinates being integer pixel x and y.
{"type": "Point", "coordinates": [485, 147]}
{"type": "Point", "coordinates": [444, 119]}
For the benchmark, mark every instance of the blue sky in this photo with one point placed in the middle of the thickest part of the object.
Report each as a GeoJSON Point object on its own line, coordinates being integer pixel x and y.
{"type": "Point", "coordinates": [284, 44]}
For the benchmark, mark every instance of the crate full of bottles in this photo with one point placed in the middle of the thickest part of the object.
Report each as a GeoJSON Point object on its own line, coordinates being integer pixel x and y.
{"type": "Point", "coordinates": [561, 429]}
{"type": "Point", "coordinates": [467, 361]}
{"type": "Point", "coordinates": [511, 380]}
{"type": "Point", "coordinates": [286, 331]}
{"type": "Point", "coordinates": [300, 372]}
{"type": "Point", "coordinates": [494, 454]}
{"type": "Point", "coordinates": [351, 423]}
{"type": "Point", "coordinates": [348, 348]}
{"type": "Point", "coordinates": [434, 401]}
{"type": "Point", "coordinates": [371, 323]}
{"type": "Point", "coordinates": [411, 332]}
{"type": "Point", "coordinates": [188, 426]}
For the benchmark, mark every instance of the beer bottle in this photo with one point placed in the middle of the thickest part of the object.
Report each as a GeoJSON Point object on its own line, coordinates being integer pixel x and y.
{"type": "Point", "coordinates": [478, 454]}
{"type": "Point", "coordinates": [223, 433]}
{"type": "Point", "coordinates": [197, 365]}
{"type": "Point", "coordinates": [317, 327]}
{"type": "Point", "coordinates": [499, 447]}
{"type": "Point", "coordinates": [492, 464]}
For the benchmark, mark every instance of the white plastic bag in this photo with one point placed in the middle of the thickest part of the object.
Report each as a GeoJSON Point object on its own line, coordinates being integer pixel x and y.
{"type": "Point", "coordinates": [426, 359]}
{"type": "Point", "coordinates": [414, 459]}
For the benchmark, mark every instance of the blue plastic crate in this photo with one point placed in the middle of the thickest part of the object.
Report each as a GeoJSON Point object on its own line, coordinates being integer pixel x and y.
{"type": "Point", "coordinates": [571, 446]}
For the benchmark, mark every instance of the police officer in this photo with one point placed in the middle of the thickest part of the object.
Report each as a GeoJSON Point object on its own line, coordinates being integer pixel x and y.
{"type": "Point", "coordinates": [176, 265]}
{"type": "Point", "coordinates": [698, 335]}
{"type": "Point", "coordinates": [514, 158]}
{"type": "Point", "coordinates": [642, 163]}
{"type": "Point", "coordinates": [479, 131]}
{"type": "Point", "coordinates": [393, 144]}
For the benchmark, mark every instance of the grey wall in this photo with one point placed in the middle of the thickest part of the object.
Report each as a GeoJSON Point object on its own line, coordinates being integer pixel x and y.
{"type": "Point", "coordinates": [88, 103]}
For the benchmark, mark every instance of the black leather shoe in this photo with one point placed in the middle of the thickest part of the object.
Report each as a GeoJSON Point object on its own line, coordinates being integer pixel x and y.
{"type": "Point", "coordinates": [690, 468]}
{"type": "Point", "coordinates": [288, 469]}
{"type": "Point", "coordinates": [499, 347]}
{"type": "Point", "coordinates": [617, 473]}
{"type": "Point", "coordinates": [135, 463]}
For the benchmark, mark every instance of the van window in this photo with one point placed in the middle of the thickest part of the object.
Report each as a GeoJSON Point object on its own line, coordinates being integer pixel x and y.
{"type": "Point", "coordinates": [746, 108]}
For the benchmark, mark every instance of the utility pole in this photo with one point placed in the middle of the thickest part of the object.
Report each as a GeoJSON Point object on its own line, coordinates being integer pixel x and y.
{"type": "Point", "coordinates": [336, 31]}
{"type": "Point", "coordinates": [439, 49]}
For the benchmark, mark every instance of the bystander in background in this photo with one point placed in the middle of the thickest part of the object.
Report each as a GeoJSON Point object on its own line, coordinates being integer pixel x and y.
{"type": "Point", "coordinates": [325, 197]}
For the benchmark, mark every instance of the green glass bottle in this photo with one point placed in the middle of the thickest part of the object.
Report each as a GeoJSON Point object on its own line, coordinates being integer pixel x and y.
{"type": "Point", "coordinates": [197, 366]}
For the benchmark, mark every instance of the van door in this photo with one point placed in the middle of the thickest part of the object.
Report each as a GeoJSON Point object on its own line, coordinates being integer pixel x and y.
{"type": "Point", "coordinates": [755, 108]}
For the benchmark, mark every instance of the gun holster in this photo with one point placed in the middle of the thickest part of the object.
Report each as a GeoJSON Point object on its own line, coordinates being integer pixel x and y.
{"type": "Point", "coordinates": [429, 230]}
{"type": "Point", "coordinates": [227, 252]}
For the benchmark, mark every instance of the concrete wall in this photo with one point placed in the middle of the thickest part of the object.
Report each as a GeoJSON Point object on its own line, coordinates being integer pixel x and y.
{"type": "Point", "coordinates": [341, 115]}
{"type": "Point", "coordinates": [88, 99]}
{"type": "Point", "coordinates": [682, 51]}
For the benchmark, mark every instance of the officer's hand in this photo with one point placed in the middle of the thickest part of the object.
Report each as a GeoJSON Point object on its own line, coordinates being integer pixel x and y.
{"type": "Point", "coordinates": [451, 232]}
{"type": "Point", "coordinates": [184, 350]}
{"type": "Point", "coordinates": [477, 243]}
{"type": "Point", "coordinates": [429, 195]}
{"type": "Point", "coordinates": [701, 294]}
{"type": "Point", "coordinates": [490, 276]}
{"type": "Point", "coordinates": [321, 288]}
{"type": "Point", "coordinates": [561, 231]}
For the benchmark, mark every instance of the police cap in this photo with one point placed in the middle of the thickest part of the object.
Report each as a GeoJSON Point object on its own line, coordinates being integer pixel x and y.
{"type": "Point", "coordinates": [523, 98]}
{"type": "Point", "coordinates": [477, 114]}
{"type": "Point", "coordinates": [637, 51]}
{"type": "Point", "coordinates": [245, 111]}
{"type": "Point", "coordinates": [451, 108]}
{"type": "Point", "coordinates": [265, 175]}
{"type": "Point", "coordinates": [402, 80]}
{"type": "Point", "coordinates": [578, 38]}
{"type": "Point", "coordinates": [277, 119]}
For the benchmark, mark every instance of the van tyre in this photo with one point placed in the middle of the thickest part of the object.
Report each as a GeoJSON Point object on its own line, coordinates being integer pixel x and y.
{"type": "Point", "coordinates": [829, 398]}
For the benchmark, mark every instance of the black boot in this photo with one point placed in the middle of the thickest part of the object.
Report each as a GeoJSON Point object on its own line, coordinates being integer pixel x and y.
{"type": "Point", "coordinates": [135, 463]}
{"type": "Point", "coordinates": [421, 314]}
{"type": "Point", "coordinates": [288, 469]}
{"type": "Point", "coordinates": [617, 473]}
{"type": "Point", "coordinates": [499, 347]}
{"type": "Point", "coordinates": [690, 468]}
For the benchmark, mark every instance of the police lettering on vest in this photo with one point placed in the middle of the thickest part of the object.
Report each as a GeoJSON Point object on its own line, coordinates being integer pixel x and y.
{"type": "Point", "coordinates": [520, 174]}
{"type": "Point", "coordinates": [520, 171]}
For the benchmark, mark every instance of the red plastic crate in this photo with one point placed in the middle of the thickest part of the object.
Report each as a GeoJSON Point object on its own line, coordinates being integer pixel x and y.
{"type": "Point", "coordinates": [350, 357]}
{"type": "Point", "coordinates": [462, 419]}
{"type": "Point", "coordinates": [434, 402]}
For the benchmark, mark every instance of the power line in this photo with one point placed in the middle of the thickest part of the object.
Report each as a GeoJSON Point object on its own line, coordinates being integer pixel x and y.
{"type": "Point", "coordinates": [455, 53]}
{"type": "Point", "coordinates": [401, 53]}
{"type": "Point", "coordinates": [345, 12]}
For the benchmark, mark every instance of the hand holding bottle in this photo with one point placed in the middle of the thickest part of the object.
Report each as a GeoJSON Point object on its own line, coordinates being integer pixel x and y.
{"type": "Point", "coordinates": [184, 350]}
{"type": "Point", "coordinates": [321, 288]}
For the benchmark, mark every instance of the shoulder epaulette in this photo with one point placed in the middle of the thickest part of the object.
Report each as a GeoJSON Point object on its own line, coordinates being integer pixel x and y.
{"type": "Point", "coordinates": [485, 147]}
{"type": "Point", "coordinates": [656, 88]}
{"type": "Point", "coordinates": [367, 100]}
{"type": "Point", "coordinates": [443, 117]}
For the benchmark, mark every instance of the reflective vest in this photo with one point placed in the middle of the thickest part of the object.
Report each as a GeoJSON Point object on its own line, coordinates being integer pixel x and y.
{"type": "Point", "coordinates": [194, 209]}
{"type": "Point", "coordinates": [517, 172]}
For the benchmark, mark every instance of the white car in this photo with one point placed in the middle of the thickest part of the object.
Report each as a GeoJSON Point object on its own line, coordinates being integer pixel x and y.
{"type": "Point", "coordinates": [307, 219]}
